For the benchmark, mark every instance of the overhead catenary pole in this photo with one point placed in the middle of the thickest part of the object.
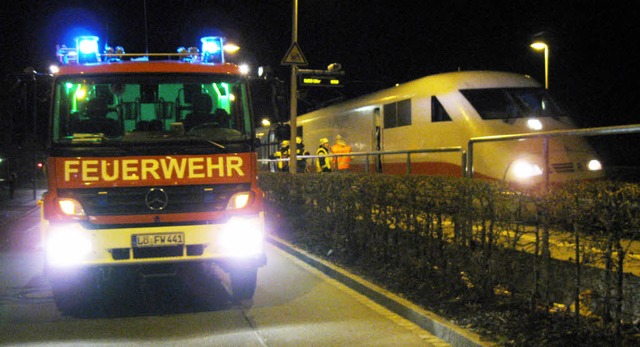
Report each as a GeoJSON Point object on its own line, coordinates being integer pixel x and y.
{"type": "Point", "coordinates": [294, 95]}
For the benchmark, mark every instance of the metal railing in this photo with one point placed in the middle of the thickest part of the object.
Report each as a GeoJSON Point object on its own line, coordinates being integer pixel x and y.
{"type": "Point", "coordinates": [467, 157]}
{"type": "Point", "coordinates": [368, 155]}
{"type": "Point", "coordinates": [599, 131]}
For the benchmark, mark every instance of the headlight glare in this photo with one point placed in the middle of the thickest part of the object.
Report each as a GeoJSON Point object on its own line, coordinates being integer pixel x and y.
{"type": "Point", "coordinates": [71, 207]}
{"type": "Point", "coordinates": [523, 169]}
{"type": "Point", "coordinates": [534, 124]}
{"type": "Point", "coordinates": [67, 246]}
{"type": "Point", "coordinates": [242, 236]}
{"type": "Point", "coordinates": [594, 165]}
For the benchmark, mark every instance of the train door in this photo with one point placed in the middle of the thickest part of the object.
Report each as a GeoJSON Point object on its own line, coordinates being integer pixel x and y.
{"type": "Point", "coordinates": [377, 139]}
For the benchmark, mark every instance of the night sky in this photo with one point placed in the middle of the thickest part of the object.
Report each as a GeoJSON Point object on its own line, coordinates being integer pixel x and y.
{"type": "Point", "coordinates": [594, 46]}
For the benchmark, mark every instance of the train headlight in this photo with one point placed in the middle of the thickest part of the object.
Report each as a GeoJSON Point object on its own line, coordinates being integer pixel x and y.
{"type": "Point", "coordinates": [534, 124]}
{"type": "Point", "coordinates": [67, 245]}
{"type": "Point", "coordinates": [523, 169]}
{"type": "Point", "coordinates": [594, 165]}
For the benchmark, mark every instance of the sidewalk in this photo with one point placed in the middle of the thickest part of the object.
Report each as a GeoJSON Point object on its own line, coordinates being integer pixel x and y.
{"type": "Point", "coordinates": [21, 204]}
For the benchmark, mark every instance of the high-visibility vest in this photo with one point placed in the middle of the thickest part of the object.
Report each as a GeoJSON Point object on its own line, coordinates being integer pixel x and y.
{"type": "Point", "coordinates": [341, 162]}
{"type": "Point", "coordinates": [323, 164]}
{"type": "Point", "coordinates": [281, 154]}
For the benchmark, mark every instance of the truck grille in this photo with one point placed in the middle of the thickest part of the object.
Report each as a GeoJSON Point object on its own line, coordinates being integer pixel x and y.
{"type": "Point", "coordinates": [122, 201]}
{"type": "Point", "coordinates": [157, 252]}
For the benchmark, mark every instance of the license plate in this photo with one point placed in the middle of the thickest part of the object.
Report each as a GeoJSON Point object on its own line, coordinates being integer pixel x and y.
{"type": "Point", "coordinates": [157, 240]}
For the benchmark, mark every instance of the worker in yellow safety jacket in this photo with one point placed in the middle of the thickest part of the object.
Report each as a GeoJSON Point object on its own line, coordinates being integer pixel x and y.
{"type": "Point", "coordinates": [301, 163]}
{"type": "Point", "coordinates": [341, 163]}
{"type": "Point", "coordinates": [323, 163]}
{"type": "Point", "coordinates": [282, 153]}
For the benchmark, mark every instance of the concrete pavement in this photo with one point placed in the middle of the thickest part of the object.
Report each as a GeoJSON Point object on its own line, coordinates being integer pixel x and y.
{"type": "Point", "coordinates": [23, 201]}
{"type": "Point", "coordinates": [13, 211]}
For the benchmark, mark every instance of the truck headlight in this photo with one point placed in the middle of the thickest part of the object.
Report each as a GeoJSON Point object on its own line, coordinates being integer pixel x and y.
{"type": "Point", "coordinates": [71, 207]}
{"type": "Point", "coordinates": [67, 245]}
{"type": "Point", "coordinates": [239, 200]}
{"type": "Point", "coordinates": [242, 236]}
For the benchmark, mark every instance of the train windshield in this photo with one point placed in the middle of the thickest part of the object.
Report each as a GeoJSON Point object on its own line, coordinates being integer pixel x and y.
{"type": "Point", "coordinates": [141, 110]}
{"type": "Point", "coordinates": [509, 103]}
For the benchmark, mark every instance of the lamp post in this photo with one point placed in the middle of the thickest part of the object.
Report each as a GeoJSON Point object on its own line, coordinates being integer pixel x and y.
{"type": "Point", "coordinates": [294, 95]}
{"type": "Point", "coordinates": [538, 46]}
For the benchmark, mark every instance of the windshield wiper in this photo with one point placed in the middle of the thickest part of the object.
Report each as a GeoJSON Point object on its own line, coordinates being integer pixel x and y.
{"type": "Point", "coordinates": [202, 139]}
{"type": "Point", "coordinates": [94, 140]}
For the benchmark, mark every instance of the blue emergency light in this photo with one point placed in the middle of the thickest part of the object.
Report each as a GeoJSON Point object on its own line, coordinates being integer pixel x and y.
{"type": "Point", "coordinates": [87, 49]}
{"type": "Point", "coordinates": [212, 49]}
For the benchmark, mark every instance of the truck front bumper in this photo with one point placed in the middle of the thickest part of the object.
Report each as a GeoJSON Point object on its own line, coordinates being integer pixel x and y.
{"type": "Point", "coordinates": [240, 239]}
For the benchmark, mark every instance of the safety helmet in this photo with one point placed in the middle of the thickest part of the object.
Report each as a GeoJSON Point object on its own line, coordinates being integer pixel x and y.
{"type": "Point", "coordinates": [285, 143]}
{"type": "Point", "coordinates": [338, 137]}
{"type": "Point", "coordinates": [324, 140]}
{"type": "Point", "coordinates": [298, 139]}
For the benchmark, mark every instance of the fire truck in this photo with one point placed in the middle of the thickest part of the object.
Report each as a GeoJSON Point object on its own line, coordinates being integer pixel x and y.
{"type": "Point", "coordinates": [152, 170]}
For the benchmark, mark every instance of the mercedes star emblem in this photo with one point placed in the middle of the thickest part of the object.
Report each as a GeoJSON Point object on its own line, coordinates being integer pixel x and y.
{"type": "Point", "coordinates": [156, 199]}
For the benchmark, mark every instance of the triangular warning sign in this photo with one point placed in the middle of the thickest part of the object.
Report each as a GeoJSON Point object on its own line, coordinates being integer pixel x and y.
{"type": "Point", "coordinates": [294, 56]}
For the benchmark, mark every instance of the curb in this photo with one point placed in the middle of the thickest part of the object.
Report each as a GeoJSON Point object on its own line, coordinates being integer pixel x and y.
{"type": "Point", "coordinates": [428, 321]}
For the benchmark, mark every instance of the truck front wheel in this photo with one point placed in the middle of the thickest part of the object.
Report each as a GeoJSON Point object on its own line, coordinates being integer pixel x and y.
{"type": "Point", "coordinates": [243, 283]}
{"type": "Point", "coordinates": [75, 296]}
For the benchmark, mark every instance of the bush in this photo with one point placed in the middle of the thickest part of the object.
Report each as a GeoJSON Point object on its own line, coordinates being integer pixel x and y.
{"type": "Point", "coordinates": [478, 252]}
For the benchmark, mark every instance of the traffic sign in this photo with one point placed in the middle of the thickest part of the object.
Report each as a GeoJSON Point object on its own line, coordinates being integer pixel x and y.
{"type": "Point", "coordinates": [294, 56]}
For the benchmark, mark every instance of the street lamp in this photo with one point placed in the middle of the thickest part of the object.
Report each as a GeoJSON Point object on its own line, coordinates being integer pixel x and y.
{"type": "Point", "coordinates": [538, 46]}
{"type": "Point", "coordinates": [231, 48]}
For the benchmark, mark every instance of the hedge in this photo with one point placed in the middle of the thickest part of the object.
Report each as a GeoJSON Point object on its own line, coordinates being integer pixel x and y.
{"type": "Point", "coordinates": [445, 239]}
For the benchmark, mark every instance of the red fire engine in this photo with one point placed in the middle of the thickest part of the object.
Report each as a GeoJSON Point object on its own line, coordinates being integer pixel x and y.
{"type": "Point", "coordinates": [151, 168]}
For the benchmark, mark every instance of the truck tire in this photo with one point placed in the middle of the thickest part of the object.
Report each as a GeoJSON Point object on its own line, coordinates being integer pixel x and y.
{"type": "Point", "coordinates": [243, 283]}
{"type": "Point", "coordinates": [75, 297]}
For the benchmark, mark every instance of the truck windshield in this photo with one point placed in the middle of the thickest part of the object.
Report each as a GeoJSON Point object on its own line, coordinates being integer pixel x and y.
{"type": "Point", "coordinates": [509, 103]}
{"type": "Point", "coordinates": [145, 109]}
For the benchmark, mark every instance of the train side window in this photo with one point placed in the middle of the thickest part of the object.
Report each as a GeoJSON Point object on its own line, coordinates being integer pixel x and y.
{"type": "Point", "coordinates": [390, 115]}
{"type": "Point", "coordinates": [404, 112]}
{"type": "Point", "coordinates": [438, 113]}
{"type": "Point", "coordinates": [397, 114]}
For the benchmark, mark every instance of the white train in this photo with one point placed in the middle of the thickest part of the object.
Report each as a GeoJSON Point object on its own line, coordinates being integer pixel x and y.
{"type": "Point", "coordinates": [447, 110]}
